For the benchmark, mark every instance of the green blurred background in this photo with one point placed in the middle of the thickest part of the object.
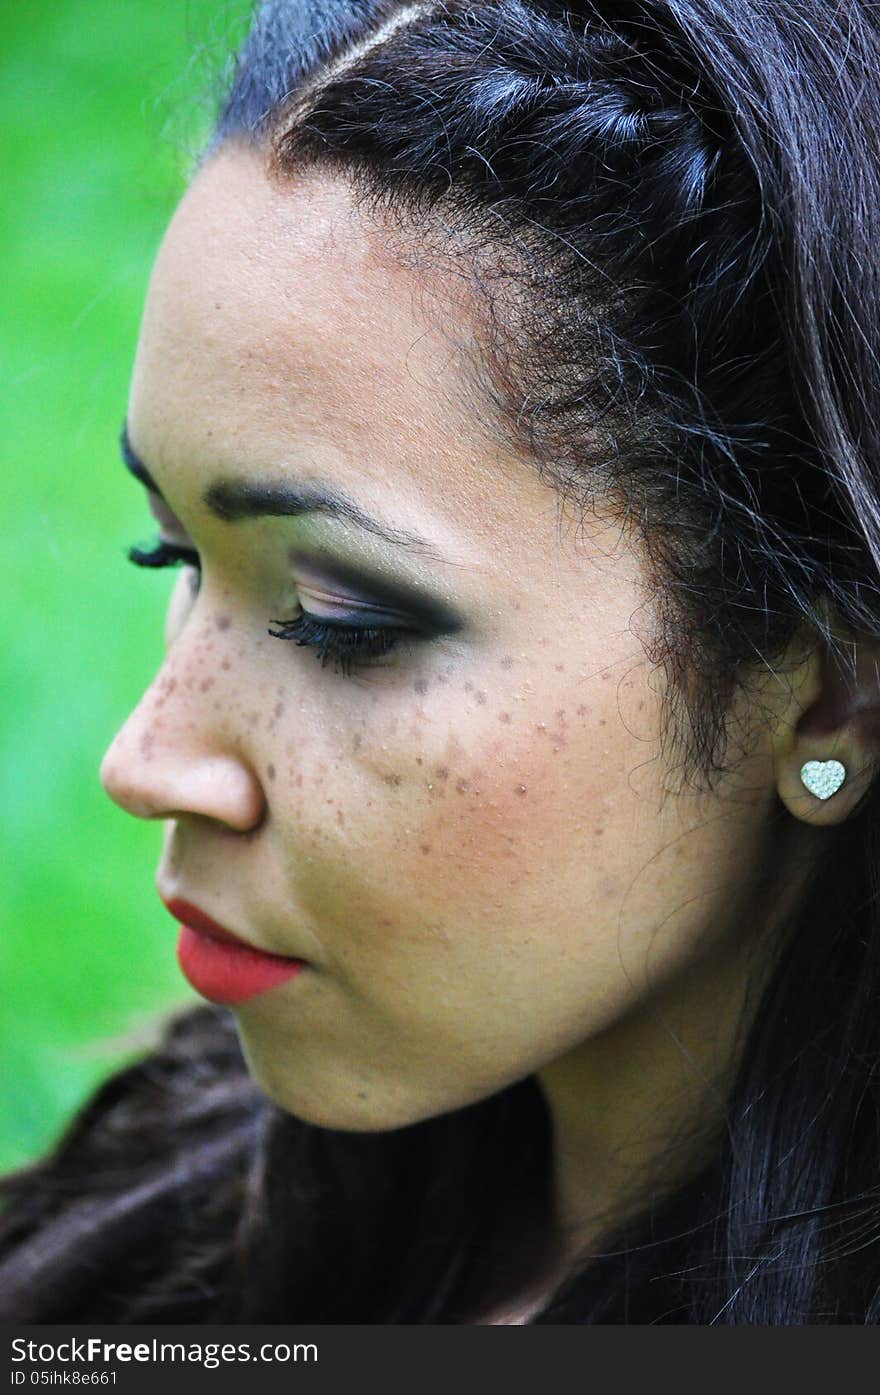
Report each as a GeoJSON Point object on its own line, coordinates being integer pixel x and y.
{"type": "Point", "coordinates": [102, 106]}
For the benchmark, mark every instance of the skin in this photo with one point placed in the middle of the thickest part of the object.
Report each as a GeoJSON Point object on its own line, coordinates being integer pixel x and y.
{"type": "Point", "coordinates": [477, 843]}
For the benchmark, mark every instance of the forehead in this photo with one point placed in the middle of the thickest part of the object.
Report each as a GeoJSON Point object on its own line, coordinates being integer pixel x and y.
{"type": "Point", "coordinates": [279, 330]}
{"type": "Point", "coordinates": [282, 338]}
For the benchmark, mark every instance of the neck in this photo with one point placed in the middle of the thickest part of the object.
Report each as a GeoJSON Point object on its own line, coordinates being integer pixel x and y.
{"type": "Point", "coordinates": [639, 1110]}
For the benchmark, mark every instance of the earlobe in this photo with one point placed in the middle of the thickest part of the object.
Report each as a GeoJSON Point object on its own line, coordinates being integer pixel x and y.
{"type": "Point", "coordinates": [827, 745]}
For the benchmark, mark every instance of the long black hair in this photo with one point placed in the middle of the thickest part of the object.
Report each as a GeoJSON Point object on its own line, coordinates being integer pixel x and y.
{"type": "Point", "coordinates": [670, 210]}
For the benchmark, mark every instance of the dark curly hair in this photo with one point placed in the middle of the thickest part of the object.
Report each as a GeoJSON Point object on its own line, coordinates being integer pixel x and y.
{"type": "Point", "coordinates": [670, 212]}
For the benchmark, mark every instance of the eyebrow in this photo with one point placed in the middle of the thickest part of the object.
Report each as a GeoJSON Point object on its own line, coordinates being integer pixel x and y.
{"type": "Point", "coordinates": [233, 500]}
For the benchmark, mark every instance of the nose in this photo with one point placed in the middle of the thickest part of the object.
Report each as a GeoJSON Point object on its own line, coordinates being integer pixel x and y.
{"type": "Point", "coordinates": [173, 757]}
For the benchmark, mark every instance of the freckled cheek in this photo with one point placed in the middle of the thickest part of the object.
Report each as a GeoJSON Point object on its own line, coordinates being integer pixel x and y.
{"type": "Point", "coordinates": [485, 836]}
{"type": "Point", "coordinates": [385, 864]}
{"type": "Point", "coordinates": [467, 812]}
{"type": "Point", "coordinates": [500, 781]}
{"type": "Point", "coordinates": [547, 800]}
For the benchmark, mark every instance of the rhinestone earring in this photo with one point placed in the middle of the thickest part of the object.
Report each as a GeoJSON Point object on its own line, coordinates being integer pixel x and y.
{"type": "Point", "coordinates": [823, 777]}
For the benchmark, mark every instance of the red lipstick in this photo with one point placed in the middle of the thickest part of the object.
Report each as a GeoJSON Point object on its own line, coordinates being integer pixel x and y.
{"type": "Point", "coordinates": [220, 965]}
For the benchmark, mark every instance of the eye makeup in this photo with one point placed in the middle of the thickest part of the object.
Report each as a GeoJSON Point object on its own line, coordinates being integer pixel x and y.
{"type": "Point", "coordinates": [374, 597]}
{"type": "Point", "coordinates": [365, 614]}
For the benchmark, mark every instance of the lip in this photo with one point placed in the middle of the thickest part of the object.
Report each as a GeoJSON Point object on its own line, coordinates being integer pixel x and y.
{"type": "Point", "coordinates": [221, 966]}
{"type": "Point", "coordinates": [188, 914]}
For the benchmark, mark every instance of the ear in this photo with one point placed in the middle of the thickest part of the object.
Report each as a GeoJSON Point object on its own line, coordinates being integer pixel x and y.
{"type": "Point", "coordinates": [833, 715]}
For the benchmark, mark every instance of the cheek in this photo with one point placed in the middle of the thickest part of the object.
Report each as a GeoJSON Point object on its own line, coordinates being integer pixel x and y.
{"type": "Point", "coordinates": [486, 812]}
{"type": "Point", "coordinates": [488, 782]}
{"type": "Point", "coordinates": [472, 799]}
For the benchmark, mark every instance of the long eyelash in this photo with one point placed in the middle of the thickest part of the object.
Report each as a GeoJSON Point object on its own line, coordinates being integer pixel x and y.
{"type": "Point", "coordinates": [345, 644]}
{"type": "Point", "coordinates": [164, 554]}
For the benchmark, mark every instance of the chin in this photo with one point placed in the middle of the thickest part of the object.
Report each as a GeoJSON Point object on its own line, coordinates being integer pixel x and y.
{"type": "Point", "coordinates": [341, 1104]}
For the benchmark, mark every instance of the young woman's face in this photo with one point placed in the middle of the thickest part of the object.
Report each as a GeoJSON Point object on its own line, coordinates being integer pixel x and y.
{"type": "Point", "coordinates": [473, 839]}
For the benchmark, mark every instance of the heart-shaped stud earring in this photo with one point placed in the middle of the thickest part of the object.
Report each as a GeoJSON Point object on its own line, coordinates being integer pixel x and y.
{"type": "Point", "coordinates": [823, 777]}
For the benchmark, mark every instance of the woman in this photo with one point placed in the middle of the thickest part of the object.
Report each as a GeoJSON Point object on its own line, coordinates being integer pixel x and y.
{"type": "Point", "coordinates": [521, 360]}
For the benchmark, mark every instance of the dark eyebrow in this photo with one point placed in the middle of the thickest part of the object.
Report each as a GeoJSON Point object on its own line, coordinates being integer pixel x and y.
{"type": "Point", "coordinates": [234, 500]}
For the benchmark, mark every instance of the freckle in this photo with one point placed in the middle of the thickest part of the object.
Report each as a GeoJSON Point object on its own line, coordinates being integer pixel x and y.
{"type": "Point", "coordinates": [520, 789]}
{"type": "Point", "coordinates": [278, 710]}
{"type": "Point", "coordinates": [418, 760]}
{"type": "Point", "coordinates": [560, 715]}
{"type": "Point", "coordinates": [391, 779]}
{"type": "Point", "coordinates": [226, 664]}
{"type": "Point", "coordinates": [206, 683]}
{"type": "Point", "coordinates": [340, 817]}
{"type": "Point", "coordinates": [602, 722]}
{"type": "Point", "coordinates": [507, 661]}
{"type": "Point", "coordinates": [298, 780]}
{"type": "Point", "coordinates": [223, 622]}
{"type": "Point", "coordinates": [425, 847]}
{"type": "Point", "coordinates": [504, 716]}
{"type": "Point", "coordinates": [441, 772]}
{"type": "Point", "coordinates": [468, 687]}
{"type": "Point", "coordinates": [560, 668]}
{"type": "Point", "coordinates": [420, 685]}
{"type": "Point", "coordinates": [582, 711]}
{"type": "Point", "coordinates": [597, 832]}
{"type": "Point", "coordinates": [270, 771]}
{"type": "Point", "coordinates": [356, 741]}
{"type": "Point", "coordinates": [166, 689]}
{"type": "Point", "coordinates": [481, 697]}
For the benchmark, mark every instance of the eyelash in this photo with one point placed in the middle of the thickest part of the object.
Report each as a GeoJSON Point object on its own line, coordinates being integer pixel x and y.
{"type": "Point", "coordinates": [347, 645]}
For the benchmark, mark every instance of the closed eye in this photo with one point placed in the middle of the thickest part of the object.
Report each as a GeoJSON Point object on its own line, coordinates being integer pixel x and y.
{"type": "Point", "coordinates": [348, 645]}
